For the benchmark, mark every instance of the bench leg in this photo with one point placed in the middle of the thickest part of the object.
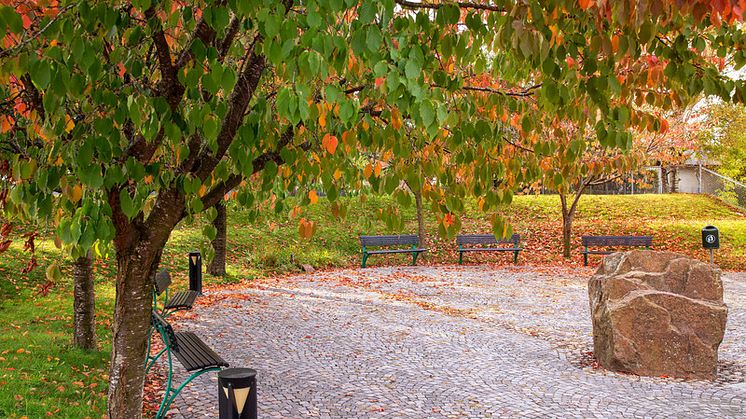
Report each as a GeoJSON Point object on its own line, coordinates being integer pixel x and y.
{"type": "Point", "coordinates": [167, 396]}
{"type": "Point", "coordinates": [460, 258]}
{"type": "Point", "coordinates": [414, 257]}
{"type": "Point", "coordinates": [171, 392]}
{"type": "Point", "coordinates": [585, 259]}
{"type": "Point", "coordinates": [150, 360]}
{"type": "Point", "coordinates": [365, 259]}
{"type": "Point", "coordinates": [515, 257]}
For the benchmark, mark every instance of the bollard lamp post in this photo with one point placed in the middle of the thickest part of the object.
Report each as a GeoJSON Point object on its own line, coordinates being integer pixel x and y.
{"type": "Point", "coordinates": [195, 272]}
{"type": "Point", "coordinates": [237, 393]}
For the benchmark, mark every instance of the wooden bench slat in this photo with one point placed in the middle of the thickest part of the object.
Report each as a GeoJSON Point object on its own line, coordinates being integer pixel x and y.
{"type": "Point", "coordinates": [382, 252]}
{"type": "Point", "coordinates": [182, 300]}
{"type": "Point", "coordinates": [612, 241]}
{"type": "Point", "coordinates": [486, 239]}
{"type": "Point", "coordinates": [411, 240]}
{"type": "Point", "coordinates": [491, 249]}
{"type": "Point", "coordinates": [194, 354]}
{"type": "Point", "coordinates": [617, 240]}
{"type": "Point", "coordinates": [396, 240]}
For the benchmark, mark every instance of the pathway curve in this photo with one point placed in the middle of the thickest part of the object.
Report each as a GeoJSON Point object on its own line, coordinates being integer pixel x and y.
{"type": "Point", "coordinates": [442, 342]}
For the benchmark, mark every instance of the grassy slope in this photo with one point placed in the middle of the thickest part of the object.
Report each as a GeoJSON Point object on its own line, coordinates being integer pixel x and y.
{"type": "Point", "coordinates": [40, 373]}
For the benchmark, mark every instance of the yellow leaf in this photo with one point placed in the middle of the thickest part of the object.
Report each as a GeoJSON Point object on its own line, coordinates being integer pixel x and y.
{"type": "Point", "coordinates": [69, 123]}
{"type": "Point", "coordinates": [313, 196]}
{"type": "Point", "coordinates": [202, 190]}
{"type": "Point", "coordinates": [337, 174]}
{"type": "Point", "coordinates": [322, 120]}
{"type": "Point", "coordinates": [76, 192]}
{"type": "Point", "coordinates": [148, 179]}
{"type": "Point", "coordinates": [396, 120]}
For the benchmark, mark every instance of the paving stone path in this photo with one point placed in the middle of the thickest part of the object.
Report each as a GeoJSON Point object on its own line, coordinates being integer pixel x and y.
{"type": "Point", "coordinates": [433, 341]}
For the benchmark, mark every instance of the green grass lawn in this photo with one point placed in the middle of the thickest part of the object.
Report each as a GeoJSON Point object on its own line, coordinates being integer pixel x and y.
{"type": "Point", "coordinates": [40, 374]}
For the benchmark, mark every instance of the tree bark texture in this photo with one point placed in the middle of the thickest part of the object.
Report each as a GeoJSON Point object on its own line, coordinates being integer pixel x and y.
{"type": "Point", "coordinates": [84, 304]}
{"type": "Point", "coordinates": [217, 266]}
{"type": "Point", "coordinates": [420, 218]}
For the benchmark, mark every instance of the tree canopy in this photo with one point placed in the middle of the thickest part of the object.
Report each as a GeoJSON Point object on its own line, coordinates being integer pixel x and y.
{"type": "Point", "coordinates": [120, 118]}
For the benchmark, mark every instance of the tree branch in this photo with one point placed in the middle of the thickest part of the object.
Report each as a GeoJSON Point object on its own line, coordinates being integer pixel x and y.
{"type": "Point", "coordinates": [247, 83]}
{"type": "Point", "coordinates": [218, 191]}
{"type": "Point", "coordinates": [528, 91]}
{"type": "Point", "coordinates": [462, 4]}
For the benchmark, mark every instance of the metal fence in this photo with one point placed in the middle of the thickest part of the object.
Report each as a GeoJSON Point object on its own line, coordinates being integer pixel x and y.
{"type": "Point", "coordinates": [725, 188]}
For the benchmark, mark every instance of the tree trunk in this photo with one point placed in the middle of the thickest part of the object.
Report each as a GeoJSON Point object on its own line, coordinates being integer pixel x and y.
{"type": "Point", "coordinates": [568, 215]}
{"type": "Point", "coordinates": [132, 312]}
{"type": "Point", "coordinates": [566, 234]}
{"type": "Point", "coordinates": [84, 304]}
{"type": "Point", "coordinates": [674, 181]}
{"type": "Point", "coordinates": [420, 218]}
{"type": "Point", "coordinates": [664, 180]}
{"type": "Point", "coordinates": [217, 266]}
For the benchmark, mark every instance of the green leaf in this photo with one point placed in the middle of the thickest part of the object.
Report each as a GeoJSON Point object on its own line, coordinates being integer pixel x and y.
{"type": "Point", "coordinates": [411, 70]}
{"type": "Point", "coordinates": [12, 19]}
{"type": "Point", "coordinates": [128, 205]}
{"type": "Point", "coordinates": [41, 74]}
{"type": "Point", "coordinates": [427, 113]}
{"type": "Point", "coordinates": [374, 38]}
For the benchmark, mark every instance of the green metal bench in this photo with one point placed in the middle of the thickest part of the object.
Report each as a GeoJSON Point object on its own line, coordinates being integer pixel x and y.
{"type": "Point", "coordinates": [612, 241]}
{"type": "Point", "coordinates": [466, 241]}
{"type": "Point", "coordinates": [383, 241]}
{"type": "Point", "coordinates": [193, 354]}
{"type": "Point", "coordinates": [182, 300]}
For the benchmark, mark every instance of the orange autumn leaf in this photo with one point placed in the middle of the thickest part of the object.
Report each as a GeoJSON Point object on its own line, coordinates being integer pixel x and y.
{"type": "Point", "coordinates": [313, 196]}
{"type": "Point", "coordinates": [585, 4]}
{"type": "Point", "coordinates": [396, 120]}
{"type": "Point", "coordinates": [5, 124]}
{"type": "Point", "coordinates": [368, 171]}
{"type": "Point", "coordinates": [322, 120]}
{"type": "Point", "coordinates": [377, 169]}
{"type": "Point", "coordinates": [329, 142]}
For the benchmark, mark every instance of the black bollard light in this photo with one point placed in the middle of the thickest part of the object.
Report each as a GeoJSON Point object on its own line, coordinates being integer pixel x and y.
{"type": "Point", "coordinates": [195, 272]}
{"type": "Point", "coordinates": [237, 393]}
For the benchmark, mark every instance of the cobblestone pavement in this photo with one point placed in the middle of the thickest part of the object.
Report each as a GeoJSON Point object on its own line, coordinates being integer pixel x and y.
{"type": "Point", "coordinates": [436, 341]}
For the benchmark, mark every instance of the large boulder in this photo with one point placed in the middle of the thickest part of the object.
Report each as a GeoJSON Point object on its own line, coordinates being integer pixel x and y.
{"type": "Point", "coordinates": [657, 314]}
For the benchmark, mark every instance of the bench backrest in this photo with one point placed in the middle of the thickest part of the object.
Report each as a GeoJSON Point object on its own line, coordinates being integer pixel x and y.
{"type": "Point", "coordinates": [401, 240]}
{"type": "Point", "coordinates": [166, 331]}
{"type": "Point", "coordinates": [162, 281]}
{"type": "Point", "coordinates": [617, 240]}
{"type": "Point", "coordinates": [463, 239]}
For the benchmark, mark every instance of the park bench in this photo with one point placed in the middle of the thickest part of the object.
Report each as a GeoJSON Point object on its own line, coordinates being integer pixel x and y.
{"type": "Point", "coordinates": [467, 241]}
{"type": "Point", "coordinates": [193, 354]}
{"type": "Point", "coordinates": [612, 241]}
{"type": "Point", "coordinates": [386, 241]}
{"type": "Point", "coordinates": [182, 300]}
